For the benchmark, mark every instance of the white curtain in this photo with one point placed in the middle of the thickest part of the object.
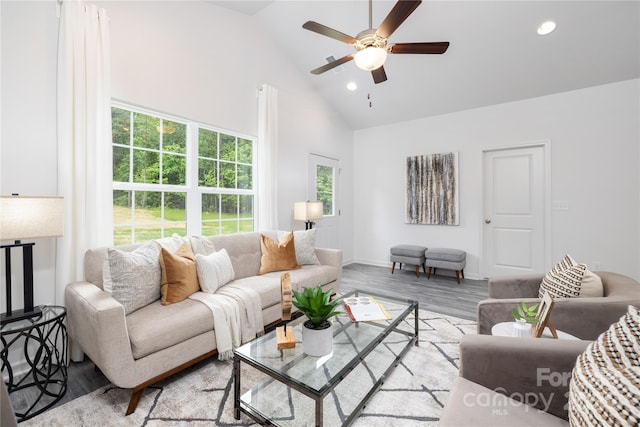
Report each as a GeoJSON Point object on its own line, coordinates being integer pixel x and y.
{"type": "Point", "coordinates": [267, 158]}
{"type": "Point", "coordinates": [84, 137]}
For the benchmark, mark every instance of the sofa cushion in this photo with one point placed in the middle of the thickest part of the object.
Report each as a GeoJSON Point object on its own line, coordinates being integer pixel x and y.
{"type": "Point", "coordinates": [305, 245]}
{"type": "Point", "coordinates": [156, 326]}
{"type": "Point", "coordinates": [310, 276]}
{"type": "Point", "coordinates": [471, 404]}
{"type": "Point", "coordinates": [605, 383]}
{"type": "Point", "coordinates": [135, 276]}
{"type": "Point", "coordinates": [564, 279]}
{"type": "Point", "coordinates": [179, 275]}
{"type": "Point", "coordinates": [244, 251]}
{"type": "Point", "coordinates": [277, 256]}
{"type": "Point", "coordinates": [267, 286]}
{"type": "Point", "coordinates": [214, 270]}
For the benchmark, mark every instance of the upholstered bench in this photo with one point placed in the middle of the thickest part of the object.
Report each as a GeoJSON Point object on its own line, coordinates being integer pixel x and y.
{"type": "Point", "coordinates": [408, 254]}
{"type": "Point", "coordinates": [450, 259]}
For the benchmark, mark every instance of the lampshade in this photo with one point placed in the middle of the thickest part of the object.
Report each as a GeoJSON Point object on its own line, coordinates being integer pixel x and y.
{"type": "Point", "coordinates": [307, 211]}
{"type": "Point", "coordinates": [370, 58]}
{"type": "Point", "coordinates": [30, 217]}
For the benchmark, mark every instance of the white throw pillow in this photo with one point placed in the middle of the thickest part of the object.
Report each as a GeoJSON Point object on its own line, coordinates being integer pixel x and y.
{"type": "Point", "coordinates": [134, 276]}
{"type": "Point", "coordinates": [201, 245]}
{"type": "Point", "coordinates": [305, 245]}
{"type": "Point", "coordinates": [214, 270]}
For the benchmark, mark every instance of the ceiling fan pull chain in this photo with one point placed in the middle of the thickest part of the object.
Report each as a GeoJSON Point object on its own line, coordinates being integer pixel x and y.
{"type": "Point", "coordinates": [371, 14]}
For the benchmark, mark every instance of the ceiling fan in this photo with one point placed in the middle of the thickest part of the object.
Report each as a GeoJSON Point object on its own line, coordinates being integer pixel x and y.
{"type": "Point", "coordinates": [371, 44]}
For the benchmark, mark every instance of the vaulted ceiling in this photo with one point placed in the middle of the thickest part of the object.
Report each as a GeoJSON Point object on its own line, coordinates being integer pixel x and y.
{"type": "Point", "coordinates": [495, 56]}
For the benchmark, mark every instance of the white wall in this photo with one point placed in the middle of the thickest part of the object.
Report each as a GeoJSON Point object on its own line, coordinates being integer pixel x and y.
{"type": "Point", "coordinates": [188, 58]}
{"type": "Point", "coordinates": [595, 152]}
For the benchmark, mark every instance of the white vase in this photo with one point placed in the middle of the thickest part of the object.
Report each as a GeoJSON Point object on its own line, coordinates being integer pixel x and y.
{"type": "Point", "coordinates": [521, 329]}
{"type": "Point", "coordinates": [317, 342]}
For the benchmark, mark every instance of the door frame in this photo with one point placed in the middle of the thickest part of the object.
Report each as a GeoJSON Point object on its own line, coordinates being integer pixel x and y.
{"type": "Point", "coordinates": [313, 159]}
{"type": "Point", "coordinates": [546, 215]}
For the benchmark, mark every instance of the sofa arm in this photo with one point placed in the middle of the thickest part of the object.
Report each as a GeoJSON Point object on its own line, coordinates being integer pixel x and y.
{"type": "Point", "coordinates": [328, 256]}
{"type": "Point", "coordinates": [533, 370]}
{"type": "Point", "coordinates": [96, 322]}
{"type": "Point", "coordinates": [521, 286]}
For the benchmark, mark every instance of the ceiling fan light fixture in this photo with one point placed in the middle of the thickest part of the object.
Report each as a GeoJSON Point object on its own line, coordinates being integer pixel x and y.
{"type": "Point", "coordinates": [370, 58]}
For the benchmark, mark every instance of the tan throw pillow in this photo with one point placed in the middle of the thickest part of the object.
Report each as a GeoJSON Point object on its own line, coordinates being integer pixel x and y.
{"type": "Point", "coordinates": [277, 257]}
{"type": "Point", "coordinates": [179, 274]}
{"type": "Point", "coordinates": [605, 382]}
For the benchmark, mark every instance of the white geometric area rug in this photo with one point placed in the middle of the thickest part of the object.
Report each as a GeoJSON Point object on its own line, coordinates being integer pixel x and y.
{"type": "Point", "coordinates": [413, 395]}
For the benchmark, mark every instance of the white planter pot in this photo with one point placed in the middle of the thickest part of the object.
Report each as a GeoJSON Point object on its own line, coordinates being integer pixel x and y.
{"type": "Point", "coordinates": [317, 342]}
{"type": "Point", "coordinates": [521, 329]}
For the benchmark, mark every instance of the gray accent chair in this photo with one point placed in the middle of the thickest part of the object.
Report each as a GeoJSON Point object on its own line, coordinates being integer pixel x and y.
{"type": "Point", "coordinates": [498, 374]}
{"type": "Point", "coordinates": [585, 318]}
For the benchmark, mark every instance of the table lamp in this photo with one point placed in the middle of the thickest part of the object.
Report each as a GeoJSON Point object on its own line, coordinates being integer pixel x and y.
{"type": "Point", "coordinates": [307, 212]}
{"type": "Point", "coordinates": [26, 218]}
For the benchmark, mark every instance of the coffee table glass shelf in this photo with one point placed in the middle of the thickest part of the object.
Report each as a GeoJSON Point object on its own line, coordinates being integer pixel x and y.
{"type": "Point", "coordinates": [294, 389]}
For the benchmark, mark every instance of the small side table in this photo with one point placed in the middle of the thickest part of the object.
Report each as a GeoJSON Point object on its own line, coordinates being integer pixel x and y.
{"type": "Point", "coordinates": [507, 329]}
{"type": "Point", "coordinates": [42, 381]}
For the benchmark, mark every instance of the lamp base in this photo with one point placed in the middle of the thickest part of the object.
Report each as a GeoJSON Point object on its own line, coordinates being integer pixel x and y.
{"type": "Point", "coordinates": [20, 315]}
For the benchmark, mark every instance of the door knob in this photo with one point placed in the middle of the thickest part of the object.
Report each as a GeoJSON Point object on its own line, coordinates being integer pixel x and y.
{"type": "Point", "coordinates": [487, 221]}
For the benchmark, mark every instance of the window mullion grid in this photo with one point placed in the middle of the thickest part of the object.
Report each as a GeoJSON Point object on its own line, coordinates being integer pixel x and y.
{"type": "Point", "coordinates": [194, 195]}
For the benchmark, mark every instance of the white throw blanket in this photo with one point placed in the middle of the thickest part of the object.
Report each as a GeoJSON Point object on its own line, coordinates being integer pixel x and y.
{"type": "Point", "coordinates": [237, 317]}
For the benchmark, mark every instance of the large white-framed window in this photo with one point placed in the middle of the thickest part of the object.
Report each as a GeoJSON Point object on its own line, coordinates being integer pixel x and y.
{"type": "Point", "coordinates": [172, 175]}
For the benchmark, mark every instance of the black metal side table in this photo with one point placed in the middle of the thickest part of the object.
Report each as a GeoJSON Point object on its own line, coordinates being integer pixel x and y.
{"type": "Point", "coordinates": [39, 378]}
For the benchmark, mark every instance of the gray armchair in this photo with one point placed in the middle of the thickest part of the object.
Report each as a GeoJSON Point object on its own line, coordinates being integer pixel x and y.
{"type": "Point", "coordinates": [498, 374]}
{"type": "Point", "coordinates": [585, 318]}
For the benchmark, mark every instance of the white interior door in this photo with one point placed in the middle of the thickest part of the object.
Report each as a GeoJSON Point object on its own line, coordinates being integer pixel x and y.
{"type": "Point", "coordinates": [515, 204]}
{"type": "Point", "coordinates": [324, 184]}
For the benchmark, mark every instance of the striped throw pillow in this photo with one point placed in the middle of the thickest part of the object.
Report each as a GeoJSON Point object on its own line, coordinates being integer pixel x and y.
{"type": "Point", "coordinates": [605, 383]}
{"type": "Point", "coordinates": [564, 280]}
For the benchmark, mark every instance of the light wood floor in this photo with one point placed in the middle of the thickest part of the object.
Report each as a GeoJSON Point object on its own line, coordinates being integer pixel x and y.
{"type": "Point", "coordinates": [441, 294]}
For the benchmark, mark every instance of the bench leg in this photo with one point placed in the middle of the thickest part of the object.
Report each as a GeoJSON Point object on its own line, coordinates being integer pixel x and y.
{"type": "Point", "coordinates": [429, 273]}
{"type": "Point", "coordinates": [417, 271]}
{"type": "Point", "coordinates": [462, 272]}
{"type": "Point", "coordinates": [393, 267]}
{"type": "Point", "coordinates": [458, 276]}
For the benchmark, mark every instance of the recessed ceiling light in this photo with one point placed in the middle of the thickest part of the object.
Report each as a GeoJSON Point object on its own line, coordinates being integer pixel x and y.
{"type": "Point", "coordinates": [546, 28]}
{"type": "Point", "coordinates": [352, 86]}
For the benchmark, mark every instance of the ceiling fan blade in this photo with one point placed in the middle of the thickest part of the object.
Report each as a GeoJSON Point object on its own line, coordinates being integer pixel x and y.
{"type": "Point", "coordinates": [433, 47]}
{"type": "Point", "coordinates": [379, 75]}
{"type": "Point", "coordinates": [398, 14]}
{"type": "Point", "coordinates": [333, 64]}
{"type": "Point", "coordinates": [329, 32]}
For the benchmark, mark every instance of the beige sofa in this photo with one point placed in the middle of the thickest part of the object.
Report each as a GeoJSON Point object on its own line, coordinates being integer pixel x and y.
{"type": "Point", "coordinates": [585, 318]}
{"type": "Point", "coordinates": [151, 343]}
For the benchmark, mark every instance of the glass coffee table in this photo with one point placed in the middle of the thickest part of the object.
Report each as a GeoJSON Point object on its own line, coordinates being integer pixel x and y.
{"type": "Point", "coordinates": [293, 389]}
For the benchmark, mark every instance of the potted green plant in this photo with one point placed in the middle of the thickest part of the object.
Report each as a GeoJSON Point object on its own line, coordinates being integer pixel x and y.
{"type": "Point", "coordinates": [317, 334]}
{"type": "Point", "coordinates": [524, 316]}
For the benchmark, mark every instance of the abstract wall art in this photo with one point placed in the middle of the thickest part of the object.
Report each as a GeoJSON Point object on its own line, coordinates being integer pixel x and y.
{"type": "Point", "coordinates": [432, 189]}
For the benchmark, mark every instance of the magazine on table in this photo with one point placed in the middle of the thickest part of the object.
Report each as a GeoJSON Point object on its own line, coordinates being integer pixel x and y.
{"type": "Point", "coordinates": [365, 309]}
